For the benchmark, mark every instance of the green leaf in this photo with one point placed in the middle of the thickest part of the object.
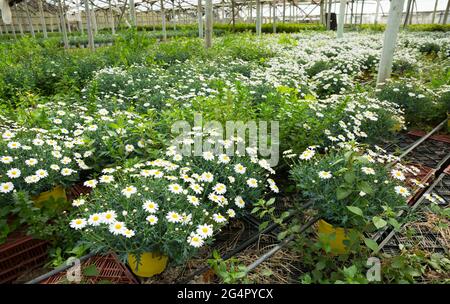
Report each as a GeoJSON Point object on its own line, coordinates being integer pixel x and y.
{"type": "Point", "coordinates": [91, 271]}
{"type": "Point", "coordinates": [365, 187]}
{"type": "Point", "coordinates": [342, 193]}
{"type": "Point", "coordinates": [349, 177]}
{"type": "Point", "coordinates": [263, 225]}
{"type": "Point", "coordinates": [379, 222]}
{"type": "Point", "coordinates": [282, 235]}
{"type": "Point", "coordinates": [371, 244]}
{"type": "Point", "coordinates": [355, 210]}
{"type": "Point", "coordinates": [271, 201]}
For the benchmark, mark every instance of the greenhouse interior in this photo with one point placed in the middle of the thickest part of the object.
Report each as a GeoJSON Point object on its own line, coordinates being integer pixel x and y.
{"type": "Point", "coordinates": [224, 142]}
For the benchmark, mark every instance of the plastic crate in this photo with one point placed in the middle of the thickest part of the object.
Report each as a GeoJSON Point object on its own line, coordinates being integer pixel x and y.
{"type": "Point", "coordinates": [109, 268]}
{"type": "Point", "coordinates": [77, 190]}
{"type": "Point", "coordinates": [20, 254]}
{"type": "Point", "coordinates": [439, 137]}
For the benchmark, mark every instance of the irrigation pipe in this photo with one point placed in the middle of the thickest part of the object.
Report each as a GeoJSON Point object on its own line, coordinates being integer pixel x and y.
{"type": "Point", "coordinates": [279, 246]}
{"type": "Point", "coordinates": [421, 140]}
{"type": "Point", "coordinates": [241, 247]}
{"type": "Point", "coordinates": [58, 270]}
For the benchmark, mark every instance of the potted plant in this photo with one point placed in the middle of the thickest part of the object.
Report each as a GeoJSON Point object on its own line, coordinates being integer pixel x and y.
{"type": "Point", "coordinates": [164, 210]}
{"type": "Point", "coordinates": [353, 192]}
{"type": "Point", "coordinates": [36, 161]}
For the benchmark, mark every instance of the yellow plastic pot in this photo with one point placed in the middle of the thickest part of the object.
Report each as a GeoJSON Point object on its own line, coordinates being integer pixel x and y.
{"type": "Point", "coordinates": [150, 264]}
{"type": "Point", "coordinates": [337, 244]}
{"type": "Point", "coordinates": [56, 193]}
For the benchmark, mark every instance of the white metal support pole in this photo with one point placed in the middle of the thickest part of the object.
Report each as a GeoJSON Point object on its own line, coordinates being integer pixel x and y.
{"type": "Point", "coordinates": [41, 15]}
{"type": "Point", "coordinates": [447, 9]}
{"type": "Point", "coordinates": [340, 30]}
{"type": "Point", "coordinates": [274, 7]}
{"type": "Point", "coordinates": [63, 25]}
{"type": "Point", "coordinates": [377, 11]}
{"type": "Point", "coordinates": [19, 20]}
{"type": "Point", "coordinates": [174, 23]}
{"type": "Point", "coordinates": [89, 25]}
{"type": "Point", "coordinates": [258, 17]}
{"type": "Point", "coordinates": [80, 18]}
{"type": "Point", "coordinates": [30, 22]}
{"type": "Point", "coordinates": [200, 18]}
{"type": "Point", "coordinates": [163, 21]}
{"type": "Point", "coordinates": [434, 11]}
{"type": "Point", "coordinates": [209, 23]}
{"type": "Point", "coordinates": [111, 14]}
{"type": "Point", "coordinates": [132, 13]}
{"type": "Point", "coordinates": [94, 20]}
{"type": "Point", "coordinates": [329, 15]}
{"type": "Point", "coordinates": [390, 40]}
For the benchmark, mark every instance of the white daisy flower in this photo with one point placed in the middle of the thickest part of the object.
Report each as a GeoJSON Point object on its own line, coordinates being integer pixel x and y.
{"type": "Point", "coordinates": [6, 159]}
{"type": "Point", "coordinates": [173, 217]}
{"type": "Point", "coordinates": [13, 173]}
{"type": "Point", "coordinates": [117, 228]}
{"type": "Point", "coordinates": [207, 177]}
{"type": "Point", "coordinates": [368, 171]}
{"type": "Point", "coordinates": [78, 202]}
{"type": "Point", "coordinates": [66, 171]}
{"type": "Point", "coordinates": [239, 168]}
{"type": "Point", "coordinates": [220, 188]}
{"type": "Point", "coordinates": [195, 240]}
{"type": "Point", "coordinates": [205, 230]}
{"type": "Point", "coordinates": [95, 219]}
{"type": "Point", "coordinates": [175, 188]}
{"type": "Point", "coordinates": [128, 233]}
{"type": "Point", "coordinates": [238, 201]}
{"type": "Point", "coordinates": [14, 145]}
{"type": "Point", "coordinates": [32, 179]}
{"type": "Point", "coordinates": [129, 191]}
{"type": "Point", "coordinates": [106, 179]}
{"type": "Point", "coordinates": [208, 155]}
{"type": "Point", "coordinates": [6, 187]}
{"type": "Point", "coordinates": [219, 218]}
{"type": "Point", "coordinates": [152, 219]}
{"type": "Point", "coordinates": [150, 206]}
{"type": "Point", "coordinates": [252, 183]}
{"type": "Point", "coordinates": [91, 183]}
{"type": "Point", "coordinates": [78, 223]}
{"type": "Point", "coordinates": [31, 162]}
{"type": "Point", "coordinates": [224, 159]}
{"type": "Point", "coordinates": [325, 174]}
{"type": "Point", "coordinates": [193, 200]}
{"type": "Point", "coordinates": [109, 217]}
{"type": "Point", "coordinates": [231, 213]}
{"type": "Point", "coordinates": [397, 174]}
{"type": "Point", "coordinates": [129, 148]}
{"type": "Point", "coordinates": [196, 188]}
{"type": "Point", "coordinates": [307, 154]}
{"type": "Point", "coordinates": [402, 191]}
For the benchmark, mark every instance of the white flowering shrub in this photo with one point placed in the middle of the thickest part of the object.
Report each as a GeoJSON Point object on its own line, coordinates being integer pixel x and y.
{"type": "Point", "coordinates": [107, 136]}
{"type": "Point", "coordinates": [351, 188]}
{"type": "Point", "coordinates": [172, 206]}
{"type": "Point", "coordinates": [329, 82]}
{"type": "Point", "coordinates": [418, 102]}
{"type": "Point", "coordinates": [35, 160]}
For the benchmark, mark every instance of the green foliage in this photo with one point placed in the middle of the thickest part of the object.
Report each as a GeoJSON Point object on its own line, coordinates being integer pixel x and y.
{"type": "Point", "coordinates": [348, 190]}
{"type": "Point", "coordinates": [421, 106]}
{"type": "Point", "coordinates": [229, 271]}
